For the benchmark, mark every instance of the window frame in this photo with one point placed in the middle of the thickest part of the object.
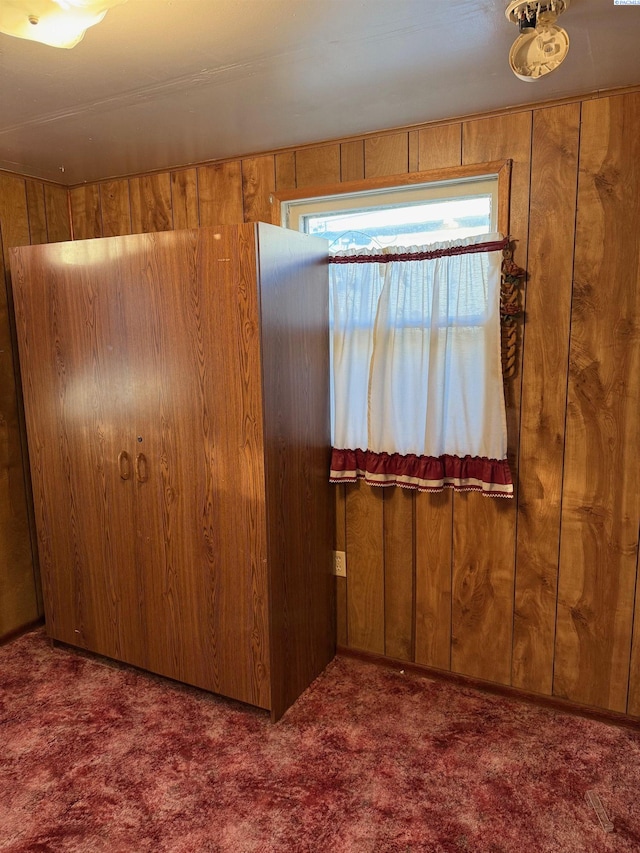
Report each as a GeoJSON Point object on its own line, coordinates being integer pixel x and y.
{"type": "Point", "coordinates": [500, 169]}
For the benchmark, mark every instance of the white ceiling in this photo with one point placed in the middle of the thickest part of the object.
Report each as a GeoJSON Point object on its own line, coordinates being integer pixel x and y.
{"type": "Point", "coordinates": [163, 83]}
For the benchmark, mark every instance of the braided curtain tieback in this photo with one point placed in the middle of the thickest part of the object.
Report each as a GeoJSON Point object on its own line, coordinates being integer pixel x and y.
{"type": "Point", "coordinates": [510, 310]}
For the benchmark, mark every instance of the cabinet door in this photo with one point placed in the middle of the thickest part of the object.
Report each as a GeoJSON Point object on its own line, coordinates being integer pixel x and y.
{"type": "Point", "coordinates": [193, 346]}
{"type": "Point", "coordinates": [73, 358]}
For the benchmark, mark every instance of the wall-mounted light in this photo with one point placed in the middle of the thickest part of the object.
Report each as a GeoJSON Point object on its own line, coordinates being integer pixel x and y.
{"type": "Point", "coordinates": [58, 23]}
{"type": "Point", "coordinates": [541, 45]}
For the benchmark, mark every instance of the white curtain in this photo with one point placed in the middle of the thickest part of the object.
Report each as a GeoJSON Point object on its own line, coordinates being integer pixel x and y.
{"type": "Point", "coordinates": [417, 375]}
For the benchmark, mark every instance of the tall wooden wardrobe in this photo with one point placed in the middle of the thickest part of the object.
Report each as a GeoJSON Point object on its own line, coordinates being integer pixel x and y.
{"type": "Point", "coordinates": [176, 391]}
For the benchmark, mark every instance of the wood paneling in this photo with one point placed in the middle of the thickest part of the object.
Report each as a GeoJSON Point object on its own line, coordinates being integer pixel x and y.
{"type": "Point", "coordinates": [484, 530]}
{"type": "Point", "coordinates": [439, 147]}
{"type": "Point", "coordinates": [37, 212]}
{"type": "Point", "coordinates": [286, 170]}
{"type": "Point", "coordinates": [151, 203]}
{"type": "Point", "coordinates": [318, 166]}
{"type": "Point", "coordinates": [86, 212]}
{"type": "Point", "coordinates": [386, 155]}
{"type": "Point", "coordinates": [554, 175]}
{"type": "Point", "coordinates": [115, 208]}
{"type": "Point", "coordinates": [399, 578]}
{"type": "Point", "coordinates": [258, 182]}
{"type": "Point", "coordinates": [352, 160]}
{"type": "Point", "coordinates": [220, 194]}
{"type": "Point", "coordinates": [601, 500]}
{"type": "Point", "coordinates": [365, 568]}
{"type": "Point", "coordinates": [342, 635]}
{"type": "Point", "coordinates": [434, 531]}
{"type": "Point", "coordinates": [184, 198]}
{"type": "Point", "coordinates": [56, 200]}
{"type": "Point", "coordinates": [20, 598]}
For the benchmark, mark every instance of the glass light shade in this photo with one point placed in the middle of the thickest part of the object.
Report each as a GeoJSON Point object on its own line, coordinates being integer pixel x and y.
{"type": "Point", "coordinates": [58, 23]}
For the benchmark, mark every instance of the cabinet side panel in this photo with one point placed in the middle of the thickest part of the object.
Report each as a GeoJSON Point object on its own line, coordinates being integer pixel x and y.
{"type": "Point", "coordinates": [294, 293]}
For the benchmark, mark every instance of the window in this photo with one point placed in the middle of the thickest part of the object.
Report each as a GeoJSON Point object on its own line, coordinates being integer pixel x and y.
{"type": "Point", "coordinates": [416, 378]}
{"type": "Point", "coordinates": [403, 216]}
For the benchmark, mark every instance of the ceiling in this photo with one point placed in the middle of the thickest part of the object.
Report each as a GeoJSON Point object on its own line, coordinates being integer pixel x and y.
{"type": "Point", "coordinates": [162, 83]}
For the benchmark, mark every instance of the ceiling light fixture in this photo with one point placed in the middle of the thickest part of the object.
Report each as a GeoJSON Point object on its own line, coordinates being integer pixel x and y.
{"type": "Point", "coordinates": [541, 45]}
{"type": "Point", "coordinates": [58, 23]}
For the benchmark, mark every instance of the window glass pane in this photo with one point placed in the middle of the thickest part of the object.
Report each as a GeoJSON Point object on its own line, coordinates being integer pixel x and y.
{"type": "Point", "coordinates": [407, 216]}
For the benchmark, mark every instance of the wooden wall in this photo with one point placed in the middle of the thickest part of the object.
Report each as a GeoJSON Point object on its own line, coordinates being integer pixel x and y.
{"type": "Point", "coordinates": [30, 212]}
{"type": "Point", "coordinates": [538, 593]}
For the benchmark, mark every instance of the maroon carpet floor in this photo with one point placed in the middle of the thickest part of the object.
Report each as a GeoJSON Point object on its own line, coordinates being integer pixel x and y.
{"type": "Point", "coordinates": [96, 757]}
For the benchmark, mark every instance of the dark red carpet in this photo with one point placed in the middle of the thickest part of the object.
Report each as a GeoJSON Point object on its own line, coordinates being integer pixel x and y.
{"type": "Point", "coordinates": [95, 757]}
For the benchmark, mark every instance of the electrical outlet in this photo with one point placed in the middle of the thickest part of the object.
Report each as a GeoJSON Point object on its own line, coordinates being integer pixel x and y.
{"type": "Point", "coordinates": [340, 564]}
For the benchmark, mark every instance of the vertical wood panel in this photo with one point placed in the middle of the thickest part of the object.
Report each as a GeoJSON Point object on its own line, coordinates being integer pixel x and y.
{"type": "Point", "coordinates": [365, 565]}
{"type": "Point", "coordinates": [342, 635]}
{"type": "Point", "coordinates": [184, 198]}
{"type": "Point", "coordinates": [414, 150]}
{"type": "Point", "coordinates": [19, 592]}
{"type": "Point", "coordinates": [386, 155]}
{"type": "Point", "coordinates": [220, 194]}
{"type": "Point", "coordinates": [37, 212]}
{"type": "Point", "coordinates": [318, 166]}
{"type": "Point", "coordinates": [116, 212]}
{"type": "Point", "coordinates": [399, 575]}
{"type": "Point", "coordinates": [434, 521]}
{"type": "Point", "coordinates": [554, 170]}
{"type": "Point", "coordinates": [484, 529]}
{"type": "Point", "coordinates": [439, 147]}
{"type": "Point", "coordinates": [352, 160]}
{"type": "Point", "coordinates": [601, 500]}
{"type": "Point", "coordinates": [86, 213]}
{"type": "Point", "coordinates": [151, 203]}
{"type": "Point", "coordinates": [286, 170]}
{"type": "Point", "coordinates": [258, 182]}
{"type": "Point", "coordinates": [14, 215]}
{"type": "Point", "coordinates": [56, 200]}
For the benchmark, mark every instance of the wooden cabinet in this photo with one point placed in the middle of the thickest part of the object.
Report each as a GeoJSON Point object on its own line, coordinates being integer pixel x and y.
{"type": "Point", "coordinates": [176, 391]}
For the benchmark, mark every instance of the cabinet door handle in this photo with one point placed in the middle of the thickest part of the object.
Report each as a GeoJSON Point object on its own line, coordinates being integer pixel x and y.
{"type": "Point", "coordinates": [124, 465]}
{"type": "Point", "coordinates": [142, 473]}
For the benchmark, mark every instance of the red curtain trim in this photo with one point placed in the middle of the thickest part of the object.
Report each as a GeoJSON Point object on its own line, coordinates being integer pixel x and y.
{"type": "Point", "coordinates": [496, 246]}
{"type": "Point", "coordinates": [492, 477]}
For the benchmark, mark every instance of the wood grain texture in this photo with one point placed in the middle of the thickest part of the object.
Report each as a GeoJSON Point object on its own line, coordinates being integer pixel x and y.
{"type": "Point", "coordinates": [115, 208]}
{"type": "Point", "coordinates": [601, 501]}
{"type": "Point", "coordinates": [317, 166]}
{"type": "Point", "coordinates": [414, 144]}
{"type": "Point", "coordinates": [439, 146]}
{"type": "Point", "coordinates": [184, 199]}
{"type": "Point", "coordinates": [150, 197]}
{"type": "Point", "coordinates": [294, 311]}
{"type": "Point", "coordinates": [285, 164]}
{"type": "Point", "coordinates": [386, 155]}
{"type": "Point", "coordinates": [352, 160]}
{"type": "Point", "coordinates": [258, 184]}
{"type": "Point", "coordinates": [20, 597]}
{"type": "Point", "coordinates": [67, 398]}
{"type": "Point", "coordinates": [434, 532]}
{"type": "Point", "coordinates": [484, 530]}
{"type": "Point", "coordinates": [340, 544]}
{"type": "Point", "coordinates": [220, 194]}
{"type": "Point", "coordinates": [184, 523]}
{"type": "Point", "coordinates": [86, 213]}
{"type": "Point", "coordinates": [554, 174]}
{"type": "Point", "coordinates": [56, 200]}
{"type": "Point", "coordinates": [36, 211]}
{"type": "Point", "coordinates": [365, 567]}
{"type": "Point", "coordinates": [399, 572]}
